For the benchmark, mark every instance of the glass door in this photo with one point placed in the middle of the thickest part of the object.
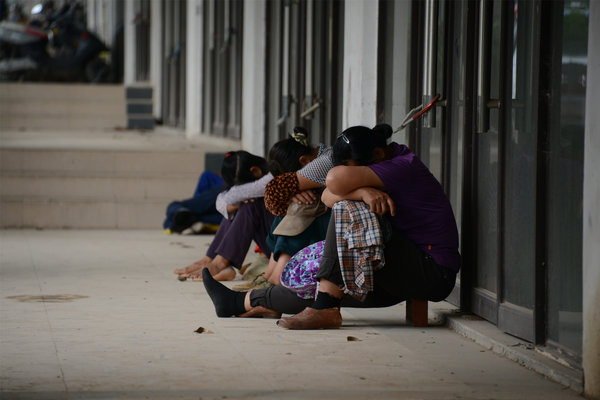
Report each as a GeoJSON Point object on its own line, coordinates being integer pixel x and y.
{"type": "Point", "coordinates": [508, 147]}
{"type": "Point", "coordinates": [519, 171]}
{"type": "Point", "coordinates": [563, 145]}
{"type": "Point", "coordinates": [505, 166]}
{"type": "Point", "coordinates": [486, 143]}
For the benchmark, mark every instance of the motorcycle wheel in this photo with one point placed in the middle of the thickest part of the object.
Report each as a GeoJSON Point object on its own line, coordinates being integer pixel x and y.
{"type": "Point", "coordinates": [96, 71]}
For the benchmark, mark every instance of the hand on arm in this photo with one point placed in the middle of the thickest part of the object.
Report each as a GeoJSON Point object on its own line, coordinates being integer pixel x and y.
{"type": "Point", "coordinates": [357, 183]}
{"type": "Point", "coordinates": [305, 197]}
{"type": "Point", "coordinates": [238, 193]}
{"type": "Point", "coordinates": [232, 208]}
{"type": "Point", "coordinates": [378, 201]}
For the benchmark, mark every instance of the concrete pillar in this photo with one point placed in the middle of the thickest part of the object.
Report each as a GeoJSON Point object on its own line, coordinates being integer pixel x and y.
{"type": "Point", "coordinates": [254, 76]}
{"type": "Point", "coordinates": [156, 55]}
{"type": "Point", "coordinates": [401, 63]}
{"type": "Point", "coordinates": [591, 213]}
{"type": "Point", "coordinates": [360, 63]}
{"type": "Point", "coordinates": [194, 39]}
{"type": "Point", "coordinates": [129, 45]}
{"type": "Point", "coordinates": [91, 15]}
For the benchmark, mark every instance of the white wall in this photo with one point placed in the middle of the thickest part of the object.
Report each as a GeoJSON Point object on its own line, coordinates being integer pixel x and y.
{"type": "Point", "coordinates": [100, 19]}
{"type": "Point", "coordinates": [591, 213]}
{"type": "Point", "coordinates": [194, 60]}
{"type": "Point", "coordinates": [360, 63]}
{"type": "Point", "coordinates": [401, 60]}
{"type": "Point", "coordinates": [129, 45]}
{"type": "Point", "coordinates": [156, 56]}
{"type": "Point", "coordinates": [254, 75]}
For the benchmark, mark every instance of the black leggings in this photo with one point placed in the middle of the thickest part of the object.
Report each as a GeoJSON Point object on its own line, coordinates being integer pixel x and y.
{"type": "Point", "coordinates": [409, 273]}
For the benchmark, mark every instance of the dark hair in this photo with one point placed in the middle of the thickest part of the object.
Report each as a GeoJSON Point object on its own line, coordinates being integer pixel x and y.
{"type": "Point", "coordinates": [236, 167]}
{"type": "Point", "coordinates": [357, 143]}
{"type": "Point", "coordinates": [284, 155]}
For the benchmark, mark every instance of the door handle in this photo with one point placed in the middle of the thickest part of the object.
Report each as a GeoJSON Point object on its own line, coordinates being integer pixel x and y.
{"type": "Point", "coordinates": [310, 110]}
{"type": "Point", "coordinates": [484, 68]}
{"type": "Point", "coordinates": [226, 27]}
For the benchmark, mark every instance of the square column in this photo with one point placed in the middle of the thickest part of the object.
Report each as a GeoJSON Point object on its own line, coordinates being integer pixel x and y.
{"type": "Point", "coordinates": [360, 63]}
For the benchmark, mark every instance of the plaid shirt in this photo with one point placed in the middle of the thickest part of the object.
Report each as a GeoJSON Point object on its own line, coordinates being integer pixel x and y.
{"type": "Point", "coordinates": [360, 237]}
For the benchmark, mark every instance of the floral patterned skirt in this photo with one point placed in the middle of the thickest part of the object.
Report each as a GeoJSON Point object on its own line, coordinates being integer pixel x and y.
{"type": "Point", "coordinates": [301, 270]}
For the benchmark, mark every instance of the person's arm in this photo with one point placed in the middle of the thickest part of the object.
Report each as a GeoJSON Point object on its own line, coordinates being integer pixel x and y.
{"type": "Point", "coordinates": [378, 201]}
{"type": "Point", "coordinates": [247, 191]}
{"type": "Point", "coordinates": [329, 199]}
{"type": "Point", "coordinates": [305, 183]}
{"type": "Point", "coordinates": [223, 208]}
{"type": "Point", "coordinates": [307, 194]}
{"type": "Point", "coordinates": [312, 176]}
{"type": "Point", "coordinates": [357, 183]}
{"type": "Point", "coordinates": [344, 179]}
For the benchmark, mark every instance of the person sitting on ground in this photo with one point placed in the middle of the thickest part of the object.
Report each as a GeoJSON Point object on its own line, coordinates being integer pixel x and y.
{"type": "Point", "coordinates": [293, 196]}
{"type": "Point", "coordinates": [246, 218]}
{"type": "Point", "coordinates": [284, 157]}
{"type": "Point", "coordinates": [421, 253]}
{"type": "Point", "coordinates": [183, 214]}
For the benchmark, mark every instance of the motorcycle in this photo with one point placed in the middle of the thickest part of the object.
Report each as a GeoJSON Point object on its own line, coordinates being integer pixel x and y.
{"type": "Point", "coordinates": [58, 48]}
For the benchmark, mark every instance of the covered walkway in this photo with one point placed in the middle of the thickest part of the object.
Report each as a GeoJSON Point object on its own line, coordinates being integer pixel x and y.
{"type": "Point", "coordinates": [98, 314]}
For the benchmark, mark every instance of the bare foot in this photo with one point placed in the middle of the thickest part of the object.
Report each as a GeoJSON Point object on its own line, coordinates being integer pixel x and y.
{"type": "Point", "coordinates": [227, 274]}
{"type": "Point", "coordinates": [193, 268]}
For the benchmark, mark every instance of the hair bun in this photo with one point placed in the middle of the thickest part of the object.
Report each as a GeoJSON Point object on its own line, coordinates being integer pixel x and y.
{"type": "Point", "coordinates": [300, 129]}
{"type": "Point", "coordinates": [383, 129]}
{"type": "Point", "coordinates": [299, 135]}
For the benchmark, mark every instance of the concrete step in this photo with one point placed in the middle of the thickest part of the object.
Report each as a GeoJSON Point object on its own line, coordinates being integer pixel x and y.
{"type": "Point", "coordinates": [88, 189]}
{"type": "Point", "coordinates": [80, 214]}
{"type": "Point", "coordinates": [100, 179]}
{"type": "Point", "coordinates": [60, 122]}
{"type": "Point", "coordinates": [95, 163]}
{"type": "Point", "coordinates": [61, 106]}
{"type": "Point", "coordinates": [55, 188]}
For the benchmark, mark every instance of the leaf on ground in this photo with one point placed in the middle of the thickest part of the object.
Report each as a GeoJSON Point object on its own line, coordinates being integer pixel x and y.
{"type": "Point", "coordinates": [203, 330]}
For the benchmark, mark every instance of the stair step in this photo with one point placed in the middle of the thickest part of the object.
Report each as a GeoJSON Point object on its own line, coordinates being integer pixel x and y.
{"type": "Point", "coordinates": [62, 108]}
{"type": "Point", "coordinates": [96, 163]}
{"type": "Point", "coordinates": [44, 92]}
{"type": "Point", "coordinates": [42, 106]}
{"type": "Point", "coordinates": [106, 188]}
{"type": "Point", "coordinates": [89, 179]}
{"type": "Point", "coordinates": [91, 214]}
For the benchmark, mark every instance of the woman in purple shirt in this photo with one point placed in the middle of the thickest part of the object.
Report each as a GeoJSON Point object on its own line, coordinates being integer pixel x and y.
{"type": "Point", "coordinates": [421, 256]}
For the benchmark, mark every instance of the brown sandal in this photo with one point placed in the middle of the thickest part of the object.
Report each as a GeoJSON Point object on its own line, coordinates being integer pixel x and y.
{"type": "Point", "coordinates": [310, 318]}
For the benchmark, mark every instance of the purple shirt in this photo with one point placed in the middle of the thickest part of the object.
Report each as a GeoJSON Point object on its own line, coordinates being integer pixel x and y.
{"type": "Point", "coordinates": [423, 212]}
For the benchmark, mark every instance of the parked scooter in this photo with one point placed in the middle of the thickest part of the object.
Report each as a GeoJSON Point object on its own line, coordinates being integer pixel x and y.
{"type": "Point", "coordinates": [54, 48]}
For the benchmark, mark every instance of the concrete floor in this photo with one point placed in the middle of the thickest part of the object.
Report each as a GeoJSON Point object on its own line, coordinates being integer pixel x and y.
{"type": "Point", "coordinates": [99, 315]}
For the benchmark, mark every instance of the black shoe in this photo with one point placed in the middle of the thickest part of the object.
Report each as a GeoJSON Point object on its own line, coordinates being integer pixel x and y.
{"type": "Point", "coordinates": [182, 220]}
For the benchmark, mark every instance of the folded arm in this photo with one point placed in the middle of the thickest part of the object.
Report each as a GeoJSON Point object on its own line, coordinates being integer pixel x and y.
{"type": "Point", "coordinates": [357, 183]}
{"type": "Point", "coordinates": [228, 201]}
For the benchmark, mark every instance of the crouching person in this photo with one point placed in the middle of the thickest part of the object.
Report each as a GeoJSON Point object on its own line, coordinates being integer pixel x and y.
{"type": "Point", "coordinates": [418, 258]}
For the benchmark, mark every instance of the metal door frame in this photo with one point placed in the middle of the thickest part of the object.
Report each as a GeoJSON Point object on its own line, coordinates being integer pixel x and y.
{"type": "Point", "coordinates": [304, 69]}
